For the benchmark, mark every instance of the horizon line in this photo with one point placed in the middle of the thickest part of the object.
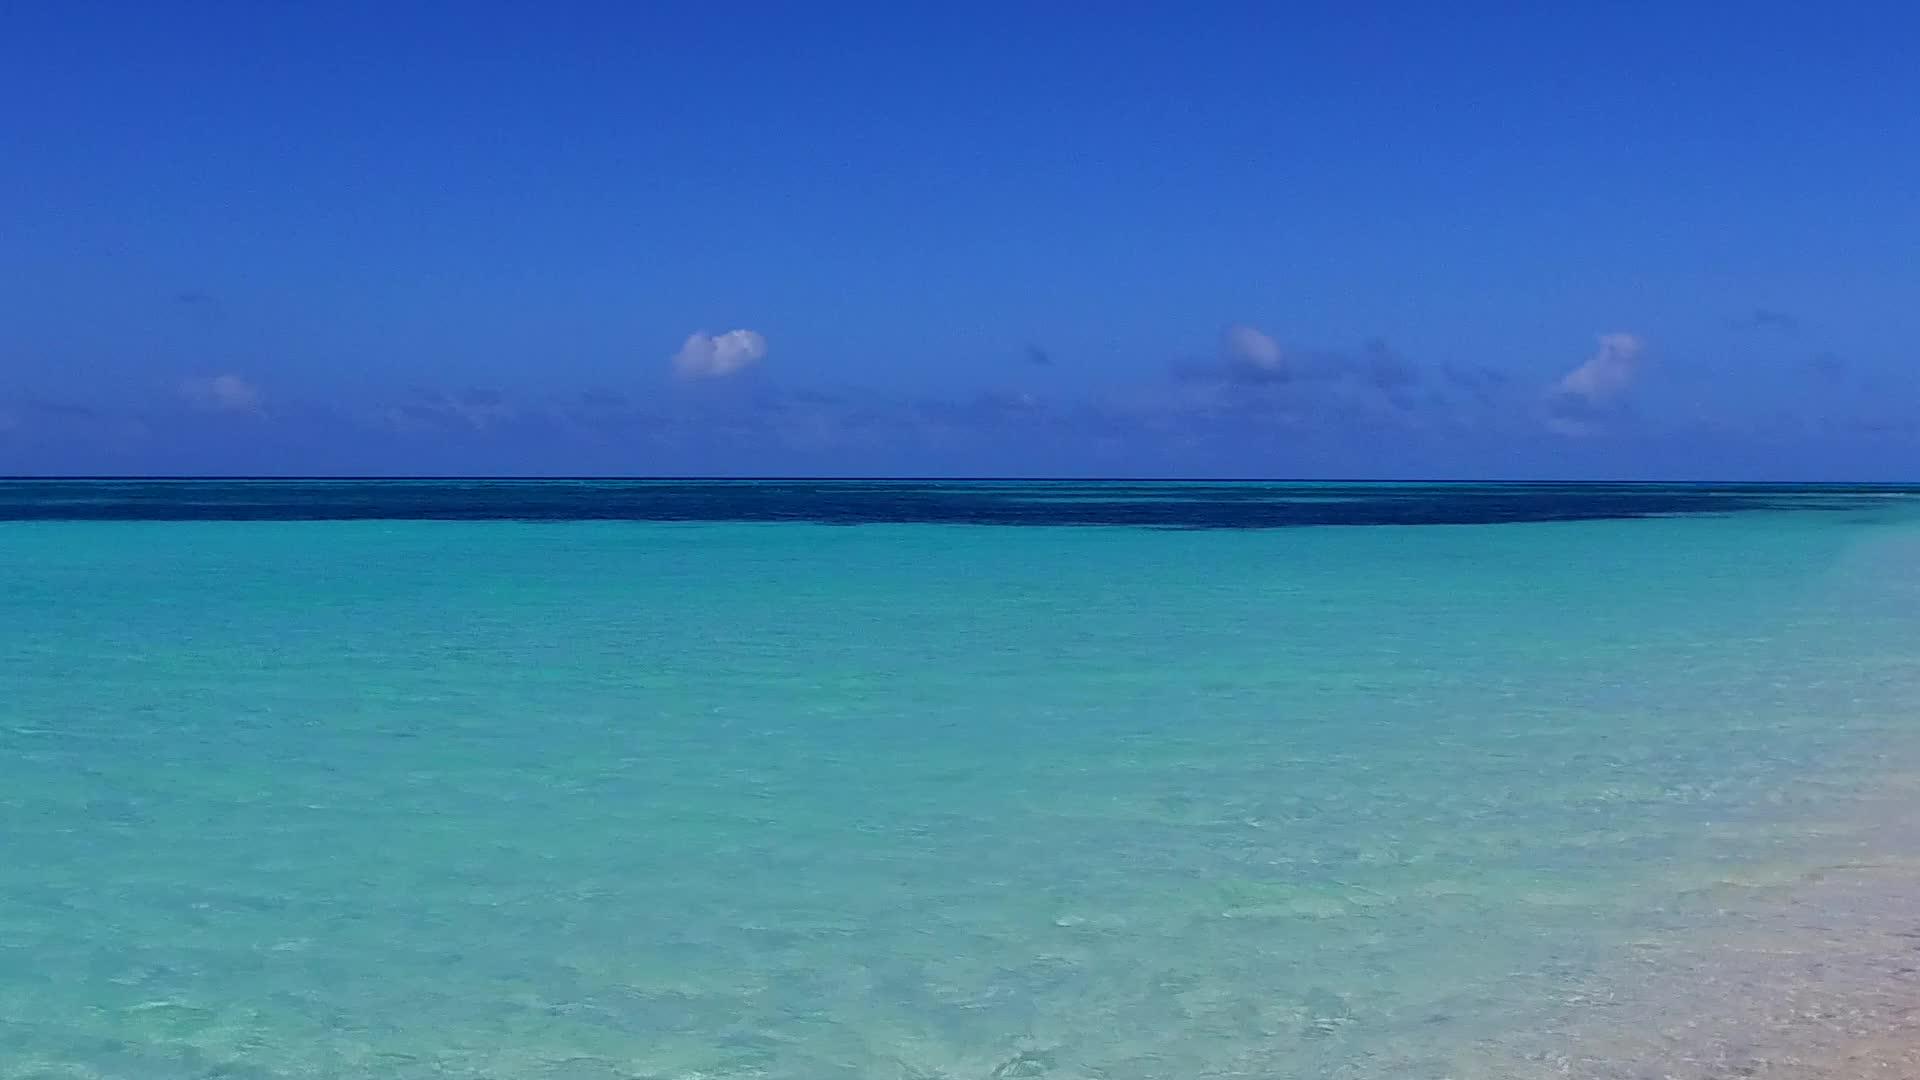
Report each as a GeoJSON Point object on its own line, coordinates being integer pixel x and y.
{"type": "Point", "coordinates": [921, 479]}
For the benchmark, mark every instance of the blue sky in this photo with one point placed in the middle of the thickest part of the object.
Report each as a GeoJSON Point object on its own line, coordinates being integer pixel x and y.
{"type": "Point", "coordinates": [1244, 240]}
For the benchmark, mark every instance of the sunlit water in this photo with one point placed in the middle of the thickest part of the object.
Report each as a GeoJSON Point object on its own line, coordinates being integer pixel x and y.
{"type": "Point", "coordinates": [784, 799]}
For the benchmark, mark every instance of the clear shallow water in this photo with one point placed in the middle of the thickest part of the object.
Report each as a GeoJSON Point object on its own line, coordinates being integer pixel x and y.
{"type": "Point", "coordinates": [763, 797]}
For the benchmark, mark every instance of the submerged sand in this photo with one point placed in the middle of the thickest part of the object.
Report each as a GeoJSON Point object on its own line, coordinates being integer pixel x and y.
{"type": "Point", "coordinates": [1816, 980]}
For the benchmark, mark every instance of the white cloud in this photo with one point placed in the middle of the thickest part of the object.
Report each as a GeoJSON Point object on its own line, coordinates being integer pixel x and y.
{"type": "Point", "coordinates": [223, 393]}
{"type": "Point", "coordinates": [1250, 348]}
{"type": "Point", "coordinates": [1608, 373]}
{"type": "Point", "coordinates": [716, 356]}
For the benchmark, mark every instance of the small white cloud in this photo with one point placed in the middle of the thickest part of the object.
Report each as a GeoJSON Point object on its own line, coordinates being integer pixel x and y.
{"type": "Point", "coordinates": [716, 356]}
{"type": "Point", "coordinates": [1249, 347]}
{"type": "Point", "coordinates": [1608, 373]}
{"type": "Point", "coordinates": [223, 393]}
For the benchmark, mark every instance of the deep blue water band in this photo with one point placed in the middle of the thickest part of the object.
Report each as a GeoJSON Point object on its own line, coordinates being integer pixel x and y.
{"type": "Point", "coordinates": [1178, 505]}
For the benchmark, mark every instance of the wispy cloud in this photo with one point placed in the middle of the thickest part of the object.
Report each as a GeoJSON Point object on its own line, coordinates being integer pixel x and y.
{"type": "Point", "coordinates": [224, 393]}
{"type": "Point", "coordinates": [986, 411]}
{"type": "Point", "coordinates": [1251, 354]}
{"type": "Point", "coordinates": [1483, 384]}
{"type": "Point", "coordinates": [1249, 405]}
{"type": "Point", "coordinates": [199, 306]}
{"type": "Point", "coordinates": [439, 410]}
{"type": "Point", "coordinates": [1380, 366]}
{"type": "Point", "coordinates": [596, 412]}
{"type": "Point", "coordinates": [1255, 377]}
{"type": "Point", "coordinates": [1251, 358]}
{"type": "Point", "coordinates": [64, 410]}
{"type": "Point", "coordinates": [717, 356]}
{"type": "Point", "coordinates": [1768, 319]}
{"type": "Point", "coordinates": [55, 418]}
{"type": "Point", "coordinates": [1609, 372]}
{"type": "Point", "coordinates": [1586, 397]}
{"type": "Point", "coordinates": [1828, 366]}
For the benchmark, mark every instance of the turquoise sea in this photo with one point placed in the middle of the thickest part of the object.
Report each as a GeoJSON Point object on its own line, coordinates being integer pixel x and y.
{"type": "Point", "coordinates": [971, 781]}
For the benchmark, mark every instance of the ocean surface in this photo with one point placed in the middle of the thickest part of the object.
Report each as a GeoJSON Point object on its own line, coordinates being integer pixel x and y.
{"type": "Point", "coordinates": [913, 780]}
